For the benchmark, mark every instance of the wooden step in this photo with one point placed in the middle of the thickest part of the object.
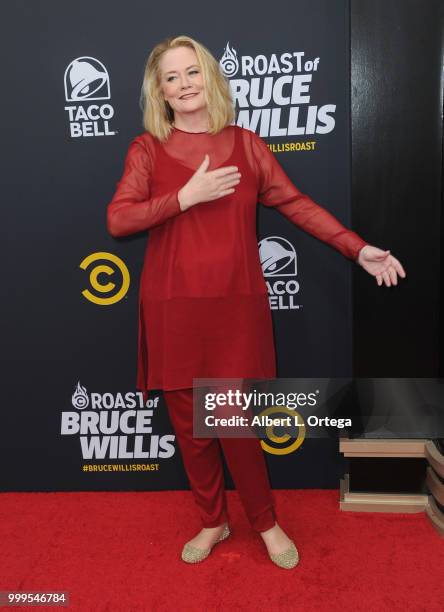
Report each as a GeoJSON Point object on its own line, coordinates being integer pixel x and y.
{"type": "Point", "coordinates": [434, 457]}
{"type": "Point", "coordinates": [436, 516]}
{"type": "Point", "coordinates": [390, 447]}
{"type": "Point", "coordinates": [436, 487]}
{"type": "Point", "coordinates": [396, 502]}
{"type": "Point", "coordinates": [380, 502]}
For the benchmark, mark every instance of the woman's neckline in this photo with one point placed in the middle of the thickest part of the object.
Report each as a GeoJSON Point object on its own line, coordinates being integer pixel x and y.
{"type": "Point", "coordinates": [185, 132]}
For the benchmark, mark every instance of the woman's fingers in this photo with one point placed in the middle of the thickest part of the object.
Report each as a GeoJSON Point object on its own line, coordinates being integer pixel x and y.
{"type": "Point", "coordinates": [388, 272]}
{"type": "Point", "coordinates": [225, 192]}
{"type": "Point", "coordinates": [386, 277]}
{"type": "Point", "coordinates": [225, 184]}
{"type": "Point", "coordinates": [229, 182]}
{"type": "Point", "coordinates": [392, 273]}
{"type": "Point", "coordinates": [225, 171]}
{"type": "Point", "coordinates": [398, 267]}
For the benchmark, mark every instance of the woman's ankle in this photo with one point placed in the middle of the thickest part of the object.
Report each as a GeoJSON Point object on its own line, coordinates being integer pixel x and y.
{"type": "Point", "coordinates": [216, 526]}
{"type": "Point", "coordinates": [269, 528]}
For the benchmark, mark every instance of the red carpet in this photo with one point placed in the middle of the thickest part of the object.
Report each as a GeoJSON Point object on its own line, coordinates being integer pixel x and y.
{"type": "Point", "coordinates": [121, 552]}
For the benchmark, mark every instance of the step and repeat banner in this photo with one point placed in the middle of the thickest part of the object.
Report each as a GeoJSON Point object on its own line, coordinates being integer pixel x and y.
{"type": "Point", "coordinates": [72, 418]}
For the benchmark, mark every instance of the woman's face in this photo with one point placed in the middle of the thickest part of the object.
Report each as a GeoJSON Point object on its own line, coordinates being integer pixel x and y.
{"type": "Point", "coordinates": [181, 80]}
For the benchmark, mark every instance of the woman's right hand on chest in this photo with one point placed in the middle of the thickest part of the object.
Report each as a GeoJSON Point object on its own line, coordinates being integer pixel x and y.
{"type": "Point", "coordinates": [206, 186]}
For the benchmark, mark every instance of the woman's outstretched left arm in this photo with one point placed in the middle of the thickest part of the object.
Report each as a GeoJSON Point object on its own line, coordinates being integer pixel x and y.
{"type": "Point", "coordinates": [278, 191]}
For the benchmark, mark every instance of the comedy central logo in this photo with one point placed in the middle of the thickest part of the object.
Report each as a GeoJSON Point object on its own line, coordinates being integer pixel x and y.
{"type": "Point", "coordinates": [279, 266]}
{"type": "Point", "coordinates": [229, 62]}
{"type": "Point", "coordinates": [99, 278]}
{"type": "Point", "coordinates": [285, 433]}
{"type": "Point", "coordinates": [80, 399]}
{"type": "Point", "coordinates": [86, 79]}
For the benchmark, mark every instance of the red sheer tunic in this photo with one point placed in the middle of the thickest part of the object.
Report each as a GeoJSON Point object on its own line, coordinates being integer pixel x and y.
{"type": "Point", "coordinates": [203, 302]}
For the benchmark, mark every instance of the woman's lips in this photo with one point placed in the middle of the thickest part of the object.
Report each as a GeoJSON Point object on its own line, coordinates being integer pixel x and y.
{"type": "Point", "coordinates": [188, 96]}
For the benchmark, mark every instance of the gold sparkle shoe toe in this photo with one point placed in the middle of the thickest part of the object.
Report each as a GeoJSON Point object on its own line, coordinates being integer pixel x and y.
{"type": "Point", "coordinates": [191, 554]}
{"type": "Point", "coordinates": [287, 559]}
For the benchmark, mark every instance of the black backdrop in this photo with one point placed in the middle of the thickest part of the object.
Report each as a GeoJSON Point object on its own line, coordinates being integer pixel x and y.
{"type": "Point", "coordinates": [56, 189]}
{"type": "Point", "coordinates": [397, 139]}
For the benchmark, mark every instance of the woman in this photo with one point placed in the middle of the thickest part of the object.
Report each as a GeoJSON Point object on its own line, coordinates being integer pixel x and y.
{"type": "Point", "coordinates": [193, 179]}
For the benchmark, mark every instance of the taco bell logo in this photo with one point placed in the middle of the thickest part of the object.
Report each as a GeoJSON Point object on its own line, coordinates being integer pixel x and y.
{"type": "Point", "coordinates": [279, 266]}
{"type": "Point", "coordinates": [86, 79]}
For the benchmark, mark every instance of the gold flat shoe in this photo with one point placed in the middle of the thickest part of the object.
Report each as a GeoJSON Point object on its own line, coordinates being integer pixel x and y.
{"type": "Point", "coordinates": [191, 554]}
{"type": "Point", "coordinates": [287, 559]}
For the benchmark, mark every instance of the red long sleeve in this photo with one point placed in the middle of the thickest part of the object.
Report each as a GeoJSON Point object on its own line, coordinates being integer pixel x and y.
{"type": "Point", "coordinates": [132, 209]}
{"type": "Point", "coordinates": [204, 306]}
{"type": "Point", "coordinates": [278, 191]}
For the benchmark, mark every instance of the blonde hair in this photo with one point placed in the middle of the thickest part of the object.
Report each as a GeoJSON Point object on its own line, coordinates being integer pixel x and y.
{"type": "Point", "coordinates": [158, 114]}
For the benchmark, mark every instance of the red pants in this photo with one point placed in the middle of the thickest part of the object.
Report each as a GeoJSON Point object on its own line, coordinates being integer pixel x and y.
{"type": "Point", "coordinates": [203, 464]}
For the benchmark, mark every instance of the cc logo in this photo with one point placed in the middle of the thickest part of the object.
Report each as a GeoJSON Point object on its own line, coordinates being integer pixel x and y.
{"type": "Point", "coordinates": [99, 278]}
{"type": "Point", "coordinates": [285, 443]}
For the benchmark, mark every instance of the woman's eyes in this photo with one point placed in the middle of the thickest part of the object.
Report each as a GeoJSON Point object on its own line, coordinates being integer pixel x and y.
{"type": "Point", "coordinates": [191, 72]}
